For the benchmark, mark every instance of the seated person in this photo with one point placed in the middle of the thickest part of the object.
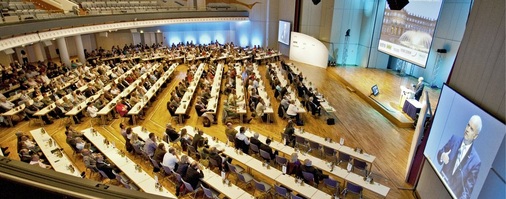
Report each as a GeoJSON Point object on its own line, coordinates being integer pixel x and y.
{"type": "Point", "coordinates": [106, 167]}
{"type": "Point", "coordinates": [289, 132]}
{"type": "Point", "coordinates": [135, 141]}
{"type": "Point", "coordinates": [292, 110]}
{"type": "Point", "coordinates": [317, 173]}
{"type": "Point", "coordinates": [265, 147]}
{"type": "Point", "coordinates": [293, 166]}
{"type": "Point", "coordinates": [159, 153]}
{"type": "Point", "coordinates": [171, 132]}
{"type": "Point", "coordinates": [242, 141]}
{"type": "Point", "coordinates": [37, 161]}
{"type": "Point", "coordinates": [31, 109]}
{"type": "Point", "coordinates": [203, 111]}
{"type": "Point", "coordinates": [194, 174]}
{"type": "Point", "coordinates": [171, 159]}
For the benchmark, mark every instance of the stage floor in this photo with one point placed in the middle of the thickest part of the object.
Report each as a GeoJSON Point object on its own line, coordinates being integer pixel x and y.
{"type": "Point", "coordinates": [362, 79]}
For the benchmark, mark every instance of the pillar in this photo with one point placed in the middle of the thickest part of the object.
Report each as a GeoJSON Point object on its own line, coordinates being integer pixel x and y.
{"type": "Point", "coordinates": [37, 49]}
{"type": "Point", "coordinates": [64, 53]}
{"type": "Point", "coordinates": [80, 49]}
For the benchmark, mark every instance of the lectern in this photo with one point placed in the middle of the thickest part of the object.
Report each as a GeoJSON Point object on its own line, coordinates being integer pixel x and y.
{"type": "Point", "coordinates": [406, 93]}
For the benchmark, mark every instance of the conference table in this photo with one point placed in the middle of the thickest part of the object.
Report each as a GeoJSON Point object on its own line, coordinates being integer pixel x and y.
{"type": "Point", "coordinates": [324, 103]}
{"type": "Point", "coordinates": [142, 179]}
{"type": "Point", "coordinates": [188, 95]}
{"type": "Point", "coordinates": [291, 94]}
{"type": "Point", "coordinates": [257, 165]}
{"type": "Point", "coordinates": [111, 105]}
{"type": "Point", "coordinates": [263, 94]}
{"type": "Point", "coordinates": [240, 94]}
{"type": "Point", "coordinates": [54, 155]}
{"type": "Point", "coordinates": [212, 179]}
{"type": "Point", "coordinates": [263, 56]}
{"type": "Point", "coordinates": [412, 108]}
{"type": "Point", "coordinates": [213, 102]}
{"type": "Point", "coordinates": [324, 165]}
{"type": "Point", "coordinates": [137, 108]}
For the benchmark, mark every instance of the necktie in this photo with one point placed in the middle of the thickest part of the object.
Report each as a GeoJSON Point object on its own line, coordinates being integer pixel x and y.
{"type": "Point", "coordinates": [459, 158]}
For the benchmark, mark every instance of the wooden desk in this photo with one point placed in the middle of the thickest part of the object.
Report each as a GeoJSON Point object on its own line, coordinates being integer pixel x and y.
{"type": "Point", "coordinates": [60, 164]}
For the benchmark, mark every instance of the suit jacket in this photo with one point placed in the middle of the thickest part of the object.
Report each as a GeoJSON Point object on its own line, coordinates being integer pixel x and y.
{"type": "Point", "coordinates": [419, 90]}
{"type": "Point", "coordinates": [193, 176]}
{"type": "Point", "coordinates": [463, 180]}
{"type": "Point", "coordinates": [269, 150]}
{"type": "Point", "coordinates": [107, 169]}
{"type": "Point", "coordinates": [255, 142]}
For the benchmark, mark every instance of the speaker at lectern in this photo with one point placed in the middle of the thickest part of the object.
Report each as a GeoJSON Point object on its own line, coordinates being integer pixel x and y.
{"type": "Point", "coordinates": [406, 93]}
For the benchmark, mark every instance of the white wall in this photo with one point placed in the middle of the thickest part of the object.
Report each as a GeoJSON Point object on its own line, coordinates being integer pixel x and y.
{"type": "Point", "coordinates": [307, 49]}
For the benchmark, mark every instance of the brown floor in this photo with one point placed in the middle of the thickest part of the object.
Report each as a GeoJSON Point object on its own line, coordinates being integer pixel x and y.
{"type": "Point", "coordinates": [358, 123]}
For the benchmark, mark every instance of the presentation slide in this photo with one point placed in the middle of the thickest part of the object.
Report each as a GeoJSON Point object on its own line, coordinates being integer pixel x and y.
{"type": "Point", "coordinates": [463, 143]}
{"type": "Point", "coordinates": [284, 32]}
{"type": "Point", "coordinates": [407, 34]}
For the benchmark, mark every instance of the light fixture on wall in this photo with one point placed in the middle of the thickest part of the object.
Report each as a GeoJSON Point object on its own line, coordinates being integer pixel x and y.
{"type": "Point", "coordinates": [435, 71]}
{"type": "Point", "coordinates": [158, 31]}
{"type": "Point", "coordinates": [142, 31]}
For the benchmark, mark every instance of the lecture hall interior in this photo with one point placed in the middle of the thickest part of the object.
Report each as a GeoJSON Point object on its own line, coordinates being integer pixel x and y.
{"type": "Point", "coordinates": [252, 99]}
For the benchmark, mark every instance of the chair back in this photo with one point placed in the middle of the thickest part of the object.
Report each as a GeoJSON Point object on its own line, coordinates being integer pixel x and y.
{"type": "Point", "coordinates": [232, 168]}
{"type": "Point", "coordinates": [253, 148]}
{"type": "Point", "coordinates": [188, 186]}
{"type": "Point", "coordinates": [354, 188]}
{"type": "Point", "coordinates": [343, 157]}
{"type": "Point", "coordinates": [213, 163]}
{"type": "Point", "coordinates": [167, 170]}
{"type": "Point", "coordinates": [137, 149]}
{"type": "Point", "coordinates": [330, 183]}
{"type": "Point", "coordinates": [281, 191]}
{"type": "Point", "coordinates": [359, 164]}
{"type": "Point", "coordinates": [103, 174]}
{"type": "Point", "coordinates": [125, 184]}
{"type": "Point", "coordinates": [259, 186]}
{"type": "Point", "coordinates": [300, 140]}
{"type": "Point", "coordinates": [308, 176]}
{"type": "Point", "coordinates": [281, 160]}
{"type": "Point", "coordinates": [207, 192]}
{"type": "Point", "coordinates": [178, 176]}
{"type": "Point", "coordinates": [314, 145]}
{"type": "Point", "coordinates": [292, 196]}
{"type": "Point", "coordinates": [241, 177]}
{"type": "Point", "coordinates": [155, 164]}
{"type": "Point", "coordinates": [328, 151]}
{"type": "Point", "coordinates": [265, 155]}
{"type": "Point", "coordinates": [165, 138]}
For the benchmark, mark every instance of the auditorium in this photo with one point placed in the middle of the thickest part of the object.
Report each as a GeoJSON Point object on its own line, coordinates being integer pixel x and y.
{"type": "Point", "coordinates": [252, 99]}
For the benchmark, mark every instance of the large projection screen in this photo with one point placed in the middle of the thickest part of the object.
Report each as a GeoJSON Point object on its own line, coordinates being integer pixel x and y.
{"type": "Point", "coordinates": [407, 34]}
{"type": "Point", "coordinates": [463, 143]}
{"type": "Point", "coordinates": [284, 30]}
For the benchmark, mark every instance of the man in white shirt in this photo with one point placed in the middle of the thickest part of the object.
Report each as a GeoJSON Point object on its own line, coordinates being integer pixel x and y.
{"type": "Point", "coordinates": [292, 110]}
{"type": "Point", "coordinates": [170, 159]}
{"type": "Point", "coordinates": [92, 110]}
{"type": "Point", "coordinates": [7, 105]}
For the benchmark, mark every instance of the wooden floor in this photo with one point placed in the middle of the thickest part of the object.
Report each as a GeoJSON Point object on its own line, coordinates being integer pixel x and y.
{"type": "Point", "coordinates": [389, 82]}
{"type": "Point", "coordinates": [357, 122]}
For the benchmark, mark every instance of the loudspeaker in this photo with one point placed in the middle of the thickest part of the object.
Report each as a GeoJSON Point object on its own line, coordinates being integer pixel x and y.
{"type": "Point", "coordinates": [442, 50]}
{"type": "Point", "coordinates": [397, 4]}
{"type": "Point", "coordinates": [57, 51]}
{"type": "Point", "coordinates": [316, 2]}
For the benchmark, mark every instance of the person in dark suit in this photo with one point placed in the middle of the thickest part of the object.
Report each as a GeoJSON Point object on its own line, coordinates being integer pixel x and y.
{"type": "Point", "coordinates": [317, 173]}
{"type": "Point", "coordinates": [181, 170]}
{"type": "Point", "coordinates": [254, 140]}
{"type": "Point", "coordinates": [197, 138]}
{"type": "Point", "coordinates": [194, 174]}
{"type": "Point", "coordinates": [105, 167]}
{"type": "Point", "coordinates": [419, 88]}
{"type": "Point", "coordinates": [265, 147]}
{"type": "Point", "coordinates": [461, 163]}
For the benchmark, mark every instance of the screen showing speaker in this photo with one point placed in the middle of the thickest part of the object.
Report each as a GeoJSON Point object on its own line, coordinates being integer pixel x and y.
{"type": "Point", "coordinates": [462, 144]}
{"type": "Point", "coordinates": [408, 33]}
{"type": "Point", "coordinates": [284, 30]}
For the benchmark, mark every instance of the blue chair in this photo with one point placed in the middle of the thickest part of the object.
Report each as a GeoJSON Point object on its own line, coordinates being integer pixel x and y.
{"type": "Point", "coordinates": [245, 178]}
{"type": "Point", "coordinates": [309, 178]}
{"type": "Point", "coordinates": [281, 191]}
{"type": "Point", "coordinates": [189, 188]}
{"type": "Point", "coordinates": [209, 193]}
{"type": "Point", "coordinates": [292, 196]}
{"type": "Point", "coordinates": [350, 187]}
{"type": "Point", "coordinates": [266, 156]}
{"type": "Point", "coordinates": [331, 184]}
{"type": "Point", "coordinates": [360, 165]}
{"type": "Point", "coordinates": [262, 187]}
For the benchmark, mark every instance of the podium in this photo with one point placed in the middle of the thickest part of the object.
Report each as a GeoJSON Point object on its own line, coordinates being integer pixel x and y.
{"type": "Point", "coordinates": [412, 107]}
{"type": "Point", "coordinates": [406, 94]}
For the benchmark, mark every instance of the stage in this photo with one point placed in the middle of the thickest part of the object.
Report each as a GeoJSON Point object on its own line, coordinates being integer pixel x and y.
{"type": "Point", "coordinates": [360, 80]}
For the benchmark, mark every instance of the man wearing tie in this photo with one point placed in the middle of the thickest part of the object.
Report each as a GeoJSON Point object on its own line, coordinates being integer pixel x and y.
{"type": "Point", "coordinates": [460, 160]}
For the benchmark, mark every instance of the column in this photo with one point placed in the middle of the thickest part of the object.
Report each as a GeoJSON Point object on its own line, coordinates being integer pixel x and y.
{"type": "Point", "coordinates": [37, 48]}
{"type": "Point", "coordinates": [64, 54]}
{"type": "Point", "coordinates": [80, 49]}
